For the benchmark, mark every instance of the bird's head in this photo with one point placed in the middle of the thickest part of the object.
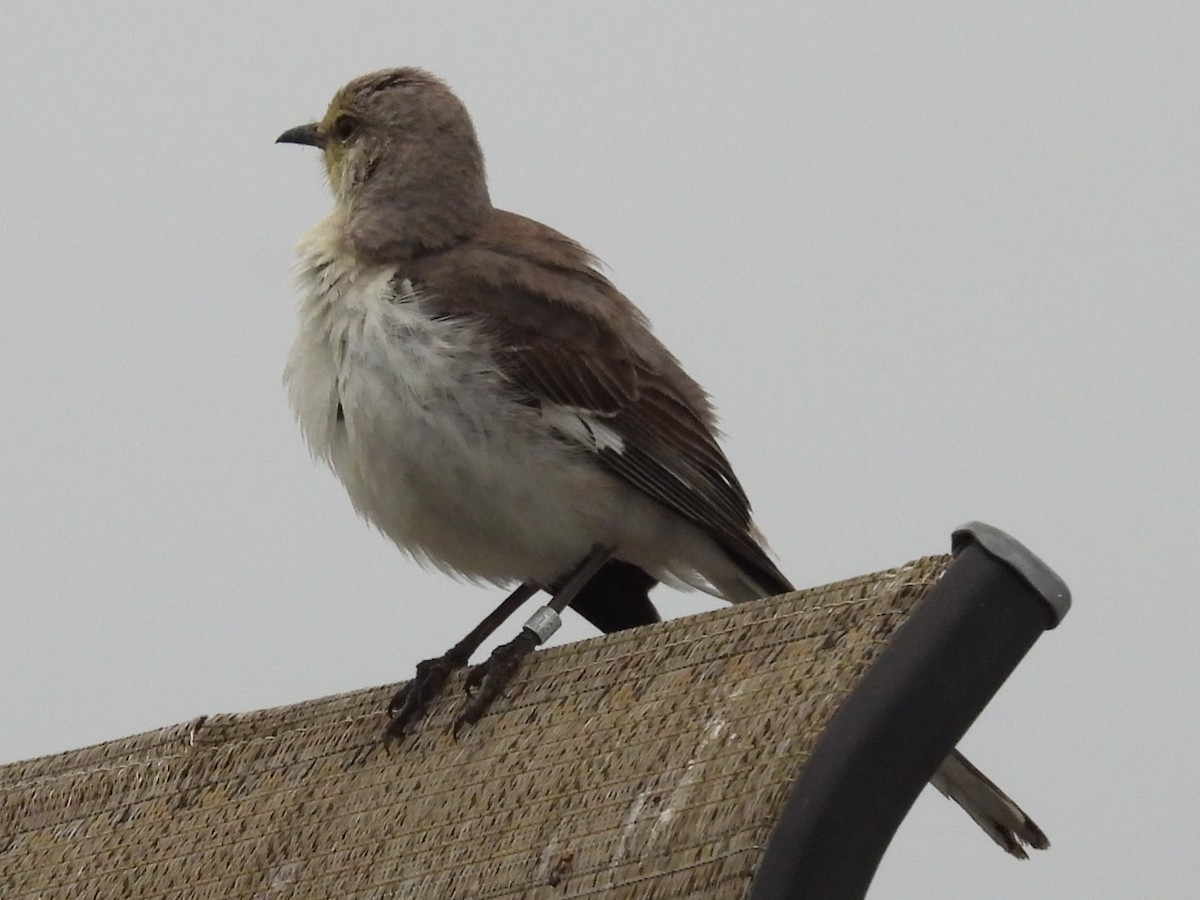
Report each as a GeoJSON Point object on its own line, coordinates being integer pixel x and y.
{"type": "Point", "coordinates": [403, 162]}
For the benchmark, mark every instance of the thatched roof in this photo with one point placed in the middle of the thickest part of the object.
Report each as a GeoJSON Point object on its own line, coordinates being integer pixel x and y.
{"type": "Point", "coordinates": [648, 763]}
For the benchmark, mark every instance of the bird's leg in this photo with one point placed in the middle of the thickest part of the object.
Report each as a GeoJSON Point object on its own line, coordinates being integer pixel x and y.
{"type": "Point", "coordinates": [493, 676]}
{"type": "Point", "coordinates": [411, 701]}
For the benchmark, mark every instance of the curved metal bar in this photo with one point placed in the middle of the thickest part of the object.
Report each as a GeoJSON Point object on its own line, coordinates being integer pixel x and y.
{"type": "Point", "coordinates": [911, 708]}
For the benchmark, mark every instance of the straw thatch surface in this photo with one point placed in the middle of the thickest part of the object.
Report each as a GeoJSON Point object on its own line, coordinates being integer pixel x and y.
{"type": "Point", "coordinates": [649, 763]}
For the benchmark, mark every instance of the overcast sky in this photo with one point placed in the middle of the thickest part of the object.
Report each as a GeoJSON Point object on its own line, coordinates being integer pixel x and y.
{"type": "Point", "coordinates": [935, 261]}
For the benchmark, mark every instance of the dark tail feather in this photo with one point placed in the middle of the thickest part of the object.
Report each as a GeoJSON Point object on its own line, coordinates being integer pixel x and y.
{"type": "Point", "coordinates": [617, 597]}
{"type": "Point", "coordinates": [1004, 821]}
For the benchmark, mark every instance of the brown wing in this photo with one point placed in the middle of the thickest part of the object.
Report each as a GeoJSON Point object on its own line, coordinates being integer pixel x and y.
{"type": "Point", "coordinates": [596, 356]}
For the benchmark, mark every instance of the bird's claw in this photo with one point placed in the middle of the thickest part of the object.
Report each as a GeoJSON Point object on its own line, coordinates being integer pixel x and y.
{"type": "Point", "coordinates": [411, 702]}
{"type": "Point", "coordinates": [476, 677]}
{"type": "Point", "coordinates": [490, 678]}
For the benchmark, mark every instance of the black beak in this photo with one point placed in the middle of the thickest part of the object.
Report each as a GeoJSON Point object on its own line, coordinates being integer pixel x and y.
{"type": "Point", "coordinates": [302, 134]}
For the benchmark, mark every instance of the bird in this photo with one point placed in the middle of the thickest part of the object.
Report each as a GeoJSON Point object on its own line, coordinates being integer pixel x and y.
{"type": "Point", "coordinates": [496, 407]}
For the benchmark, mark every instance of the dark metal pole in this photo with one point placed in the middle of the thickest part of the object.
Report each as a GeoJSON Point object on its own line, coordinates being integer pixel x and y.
{"type": "Point", "coordinates": [909, 711]}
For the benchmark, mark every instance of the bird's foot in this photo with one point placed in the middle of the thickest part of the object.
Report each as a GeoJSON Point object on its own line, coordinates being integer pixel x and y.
{"type": "Point", "coordinates": [411, 702]}
{"type": "Point", "coordinates": [488, 680]}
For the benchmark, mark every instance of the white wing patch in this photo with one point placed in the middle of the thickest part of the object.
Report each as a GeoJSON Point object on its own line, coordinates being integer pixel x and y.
{"type": "Point", "coordinates": [583, 426]}
{"type": "Point", "coordinates": [404, 291]}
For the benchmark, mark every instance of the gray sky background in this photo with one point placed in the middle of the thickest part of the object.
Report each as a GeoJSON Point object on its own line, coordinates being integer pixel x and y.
{"type": "Point", "coordinates": [936, 261]}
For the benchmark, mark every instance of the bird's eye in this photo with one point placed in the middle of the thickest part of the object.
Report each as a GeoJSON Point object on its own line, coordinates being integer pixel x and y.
{"type": "Point", "coordinates": [344, 128]}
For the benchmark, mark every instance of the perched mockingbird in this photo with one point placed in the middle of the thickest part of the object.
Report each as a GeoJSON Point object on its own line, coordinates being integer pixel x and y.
{"type": "Point", "coordinates": [501, 411]}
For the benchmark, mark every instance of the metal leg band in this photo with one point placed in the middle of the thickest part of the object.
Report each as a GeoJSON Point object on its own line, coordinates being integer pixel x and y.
{"type": "Point", "coordinates": [544, 623]}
